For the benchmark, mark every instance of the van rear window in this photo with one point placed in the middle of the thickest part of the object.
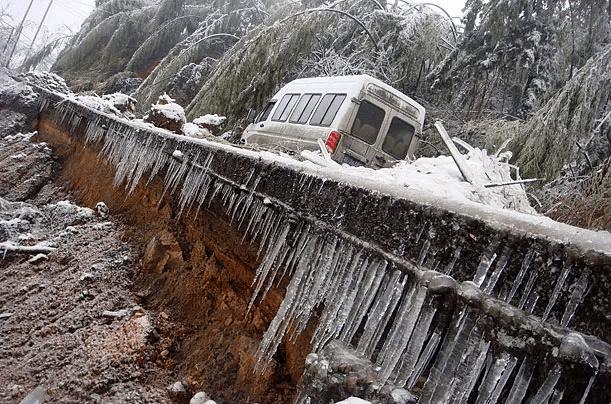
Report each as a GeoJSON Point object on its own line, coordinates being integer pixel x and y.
{"type": "Point", "coordinates": [368, 122]}
{"type": "Point", "coordinates": [398, 139]}
{"type": "Point", "coordinates": [284, 107]}
{"type": "Point", "coordinates": [304, 108]}
{"type": "Point", "coordinates": [327, 109]}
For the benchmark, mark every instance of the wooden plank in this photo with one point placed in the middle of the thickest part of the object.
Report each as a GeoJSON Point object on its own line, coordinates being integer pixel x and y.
{"type": "Point", "coordinates": [458, 158]}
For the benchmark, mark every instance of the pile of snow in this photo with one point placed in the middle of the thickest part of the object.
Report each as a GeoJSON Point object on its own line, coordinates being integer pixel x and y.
{"type": "Point", "coordinates": [171, 111]}
{"type": "Point", "coordinates": [15, 95]}
{"type": "Point", "coordinates": [47, 80]}
{"type": "Point", "coordinates": [210, 119]}
{"type": "Point", "coordinates": [353, 400]}
{"type": "Point", "coordinates": [211, 123]}
{"type": "Point", "coordinates": [439, 176]}
{"type": "Point", "coordinates": [192, 130]}
{"type": "Point", "coordinates": [122, 102]}
{"type": "Point", "coordinates": [96, 103]}
{"type": "Point", "coordinates": [69, 213]}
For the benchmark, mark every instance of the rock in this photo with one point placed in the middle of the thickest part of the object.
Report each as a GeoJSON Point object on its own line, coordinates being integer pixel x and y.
{"type": "Point", "coordinates": [402, 396]}
{"type": "Point", "coordinates": [116, 314]}
{"type": "Point", "coordinates": [177, 390]}
{"type": "Point", "coordinates": [36, 396]}
{"type": "Point", "coordinates": [210, 122]}
{"type": "Point", "coordinates": [5, 315]}
{"type": "Point", "coordinates": [68, 213]}
{"type": "Point", "coordinates": [38, 258]}
{"type": "Point", "coordinates": [102, 209]}
{"type": "Point", "coordinates": [87, 277]}
{"type": "Point", "coordinates": [199, 398]}
{"type": "Point", "coordinates": [162, 253]}
{"type": "Point", "coordinates": [338, 371]}
{"type": "Point", "coordinates": [166, 114]}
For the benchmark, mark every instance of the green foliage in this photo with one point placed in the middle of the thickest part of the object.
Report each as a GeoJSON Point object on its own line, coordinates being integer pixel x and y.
{"type": "Point", "coordinates": [549, 139]}
{"type": "Point", "coordinates": [514, 52]}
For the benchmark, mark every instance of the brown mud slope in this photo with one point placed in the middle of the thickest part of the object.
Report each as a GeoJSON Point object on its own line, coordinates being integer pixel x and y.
{"type": "Point", "coordinates": [198, 271]}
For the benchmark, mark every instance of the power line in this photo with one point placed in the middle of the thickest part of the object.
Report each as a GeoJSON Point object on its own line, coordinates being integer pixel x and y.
{"type": "Point", "coordinates": [44, 17]}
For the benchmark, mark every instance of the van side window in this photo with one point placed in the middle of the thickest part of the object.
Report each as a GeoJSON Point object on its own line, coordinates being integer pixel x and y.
{"type": "Point", "coordinates": [304, 108]}
{"type": "Point", "coordinates": [284, 107]}
{"type": "Point", "coordinates": [265, 113]}
{"type": "Point", "coordinates": [398, 138]}
{"type": "Point", "coordinates": [368, 122]}
{"type": "Point", "coordinates": [327, 109]}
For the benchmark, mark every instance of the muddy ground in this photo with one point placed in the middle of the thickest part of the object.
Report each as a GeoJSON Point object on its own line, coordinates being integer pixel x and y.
{"type": "Point", "coordinates": [72, 320]}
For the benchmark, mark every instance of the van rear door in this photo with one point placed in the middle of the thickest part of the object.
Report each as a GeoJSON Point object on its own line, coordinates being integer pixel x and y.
{"type": "Point", "coordinates": [398, 139]}
{"type": "Point", "coordinates": [359, 147]}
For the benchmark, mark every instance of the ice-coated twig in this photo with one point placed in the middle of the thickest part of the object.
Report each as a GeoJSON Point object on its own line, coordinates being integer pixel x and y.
{"type": "Point", "coordinates": [24, 249]}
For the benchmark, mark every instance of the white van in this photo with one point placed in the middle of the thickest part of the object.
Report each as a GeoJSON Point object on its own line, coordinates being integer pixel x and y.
{"type": "Point", "coordinates": [362, 120]}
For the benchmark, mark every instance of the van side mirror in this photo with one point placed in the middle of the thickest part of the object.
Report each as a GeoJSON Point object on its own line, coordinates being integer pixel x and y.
{"type": "Point", "coordinates": [252, 114]}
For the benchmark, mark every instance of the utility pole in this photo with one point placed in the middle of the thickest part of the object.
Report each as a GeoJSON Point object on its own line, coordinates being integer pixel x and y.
{"type": "Point", "coordinates": [8, 40]}
{"type": "Point", "coordinates": [44, 17]}
{"type": "Point", "coordinates": [19, 29]}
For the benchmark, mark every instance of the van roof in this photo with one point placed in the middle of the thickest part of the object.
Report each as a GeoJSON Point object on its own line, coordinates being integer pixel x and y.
{"type": "Point", "coordinates": [352, 85]}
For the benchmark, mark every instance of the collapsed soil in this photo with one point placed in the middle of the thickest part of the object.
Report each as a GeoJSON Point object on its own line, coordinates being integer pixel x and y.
{"type": "Point", "coordinates": [106, 317]}
{"type": "Point", "coordinates": [54, 331]}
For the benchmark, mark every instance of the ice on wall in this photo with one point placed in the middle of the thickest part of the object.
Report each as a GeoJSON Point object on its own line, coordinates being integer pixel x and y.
{"type": "Point", "coordinates": [384, 307]}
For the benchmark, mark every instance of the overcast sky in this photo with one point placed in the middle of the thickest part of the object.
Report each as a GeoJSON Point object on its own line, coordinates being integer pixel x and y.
{"type": "Point", "coordinates": [69, 14]}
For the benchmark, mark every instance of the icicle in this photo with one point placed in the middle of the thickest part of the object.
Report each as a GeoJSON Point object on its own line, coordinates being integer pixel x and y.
{"type": "Point", "coordinates": [414, 347]}
{"type": "Point", "coordinates": [579, 290]}
{"type": "Point", "coordinates": [249, 201]}
{"type": "Point", "coordinates": [262, 272]}
{"type": "Point", "coordinates": [469, 375]}
{"type": "Point", "coordinates": [557, 290]}
{"type": "Point", "coordinates": [500, 267]}
{"type": "Point", "coordinates": [380, 314]}
{"type": "Point", "coordinates": [401, 333]}
{"type": "Point", "coordinates": [520, 383]}
{"type": "Point", "coordinates": [529, 285]}
{"type": "Point", "coordinates": [340, 307]}
{"type": "Point", "coordinates": [320, 283]}
{"type": "Point", "coordinates": [215, 190]}
{"type": "Point", "coordinates": [450, 267]}
{"type": "Point", "coordinates": [584, 397]}
{"type": "Point", "coordinates": [498, 389]}
{"type": "Point", "coordinates": [364, 300]}
{"type": "Point", "coordinates": [482, 269]}
{"type": "Point", "coordinates": [423, 252]}
{"type": "Point", "coordinates": [425, 358]}
{"type": "Point", "coordinates": [520, 277]}
{"type": "Point", "coordinates": [277, 328]}
{"type": "Point", "coordinates": [532, 302]}
{"type": "Point", "coordinates": [547, 388]}
{"type": "Point", "coordinates": [495, 380]}
{"type": "Point", "coordinates": [454, 344]}
{"type": "Point", "coordinates": [556, 397]}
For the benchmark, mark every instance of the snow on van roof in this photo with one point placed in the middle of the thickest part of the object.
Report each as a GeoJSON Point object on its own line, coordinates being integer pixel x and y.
{"type": "Point", "coordinates": [350, 84]}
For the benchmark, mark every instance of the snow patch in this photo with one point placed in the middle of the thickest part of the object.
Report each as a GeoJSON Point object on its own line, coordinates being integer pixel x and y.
{"type": "Point", "coordinates": [210, 119]}
{"type": "Point", "coordinates": [354, 400]}
{"type": "Point", "coordinates": [192, 130]}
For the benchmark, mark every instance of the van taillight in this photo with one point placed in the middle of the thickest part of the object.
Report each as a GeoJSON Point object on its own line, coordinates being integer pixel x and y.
{"type": "Point", "coordinates": [333, 141]}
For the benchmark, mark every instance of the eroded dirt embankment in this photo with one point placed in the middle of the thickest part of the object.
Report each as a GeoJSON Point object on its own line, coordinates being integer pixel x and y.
{"type": "Point", "coordinates": [198, 271]}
